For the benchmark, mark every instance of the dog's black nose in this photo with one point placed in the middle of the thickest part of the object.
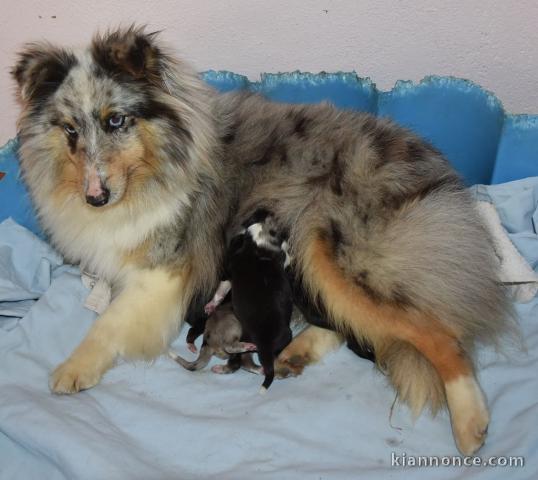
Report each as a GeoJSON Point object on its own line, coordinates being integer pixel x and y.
{"type": "Point", "coordinates": [100, 200]}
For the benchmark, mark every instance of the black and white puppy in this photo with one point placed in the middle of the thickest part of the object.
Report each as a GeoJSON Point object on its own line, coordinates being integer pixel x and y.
{"type": "Point", "coordinates": [262, 295]}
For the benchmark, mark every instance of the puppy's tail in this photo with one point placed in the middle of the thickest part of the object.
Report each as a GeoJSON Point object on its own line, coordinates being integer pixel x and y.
{"type": "Point", "coordinates": [206, 352]}
{"type": "Point", "coordinates": [412, 375]}
{"type": "Point", "coordinates": [267, 359]}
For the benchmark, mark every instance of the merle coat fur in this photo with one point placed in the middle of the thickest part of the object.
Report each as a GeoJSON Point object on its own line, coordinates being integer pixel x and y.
{"type": "Point", "coordinates": [382, 232]}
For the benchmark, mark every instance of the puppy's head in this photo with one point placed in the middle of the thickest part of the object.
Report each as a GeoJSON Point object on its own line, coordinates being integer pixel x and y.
{"type": "Point", "coordinates": [265, 231]}
{"type": "Point", "coordinates": [103, 120]}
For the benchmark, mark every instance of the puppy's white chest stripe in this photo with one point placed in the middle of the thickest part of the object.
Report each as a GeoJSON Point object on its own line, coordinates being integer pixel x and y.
{"type": "Point", "coordinates": [255, 231]}
{"type": "Point", "coordinates": [260, 238]}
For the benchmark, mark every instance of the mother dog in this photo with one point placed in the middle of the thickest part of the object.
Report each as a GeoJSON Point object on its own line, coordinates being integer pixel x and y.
{"type": "Point", "coordinates": [138, 170]}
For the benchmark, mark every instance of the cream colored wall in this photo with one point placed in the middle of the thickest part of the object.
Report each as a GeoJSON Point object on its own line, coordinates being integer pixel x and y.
{"type": "Point", "coordinates": [490, 42]}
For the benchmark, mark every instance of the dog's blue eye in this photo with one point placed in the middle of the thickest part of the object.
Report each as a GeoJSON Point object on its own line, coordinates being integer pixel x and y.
{"type": "Point", "coordinates": [116, 121]}
{"type": "Point", "coordinates": [69, 130]}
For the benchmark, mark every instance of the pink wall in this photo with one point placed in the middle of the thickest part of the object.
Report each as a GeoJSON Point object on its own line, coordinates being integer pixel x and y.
{"type": "Point", "coordinates": [492, 43]}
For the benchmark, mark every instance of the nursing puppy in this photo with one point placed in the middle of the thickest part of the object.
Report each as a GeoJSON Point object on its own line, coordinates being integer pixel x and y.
{"type": "Point", "coordinates": [261, 292]}
{"type": "Point", "coordinates": [138, 171]}
{"type": "Point", "coordinates": [222, 337]}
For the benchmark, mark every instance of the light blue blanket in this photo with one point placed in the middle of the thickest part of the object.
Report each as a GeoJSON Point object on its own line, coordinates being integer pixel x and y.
{"type": "Point", "coordinates": [159, 421]}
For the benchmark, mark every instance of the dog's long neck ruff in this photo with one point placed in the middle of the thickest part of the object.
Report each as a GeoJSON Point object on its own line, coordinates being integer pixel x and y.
{"type": "Point", "coordinates": [102, 239]}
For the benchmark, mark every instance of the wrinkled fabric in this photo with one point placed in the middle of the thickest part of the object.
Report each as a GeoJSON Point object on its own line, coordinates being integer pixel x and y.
{"type": "Point", "coordinates": [159, 421]}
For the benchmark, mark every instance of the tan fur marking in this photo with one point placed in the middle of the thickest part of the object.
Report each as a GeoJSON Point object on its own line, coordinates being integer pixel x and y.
{"type": "Point", "coordinates": [147, 135]}
{"type": "Point", "coordinates": [70, 182]}
{"type": "Point", "coordinates": [104, 113]}
{"type": "Point", "coordinates": [138, 256]}
{"type": "Point", "coordinates": [351, 309]}
{"type": "Point", "coordinates": [125, 169]}
{"type": "Point", "coordinates": [69, 169]}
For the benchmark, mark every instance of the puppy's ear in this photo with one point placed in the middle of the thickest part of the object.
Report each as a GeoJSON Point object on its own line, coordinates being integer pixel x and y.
{"type": "Point", "coordinates": [130, 52]}
{"type": "Point", "coordinates": [40, 70]}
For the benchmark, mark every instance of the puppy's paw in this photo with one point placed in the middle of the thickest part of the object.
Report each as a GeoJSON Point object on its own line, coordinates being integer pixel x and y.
{"type": "Point", "coordinates": [221, 369]}
{"type": "Point", "coordinates": [249, 347]}
{"type": "Point", "coordinates": [71, 377]}
{"type": "Point", "coordinates": [210, 307]}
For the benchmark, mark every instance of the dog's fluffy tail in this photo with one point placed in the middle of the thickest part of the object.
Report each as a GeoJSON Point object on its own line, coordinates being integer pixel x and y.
{"type": "Point", "coordinates": [413, 377]}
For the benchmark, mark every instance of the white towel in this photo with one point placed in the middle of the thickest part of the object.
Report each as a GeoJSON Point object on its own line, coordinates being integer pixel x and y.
{"type": "Point", "coordinates": [515, 272]}
{"type": "Point", "coordinates": [100, 294]}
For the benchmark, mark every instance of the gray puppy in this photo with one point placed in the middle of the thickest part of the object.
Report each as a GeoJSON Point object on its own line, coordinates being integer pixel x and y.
{"type": "Point", "coordinates": [222, 338]}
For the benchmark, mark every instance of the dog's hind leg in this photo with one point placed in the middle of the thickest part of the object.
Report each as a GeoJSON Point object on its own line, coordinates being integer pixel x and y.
{"type": "Point", "coordinates": [351, 309]}
{"type": "Point", "coordinates": [138, 324]}
{"type": "Point", "coordinates": [310, 346]}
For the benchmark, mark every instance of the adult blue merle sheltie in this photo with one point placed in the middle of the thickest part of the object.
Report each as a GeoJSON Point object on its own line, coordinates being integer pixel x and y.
{"type": "Point", "coordinates": [138, 171]}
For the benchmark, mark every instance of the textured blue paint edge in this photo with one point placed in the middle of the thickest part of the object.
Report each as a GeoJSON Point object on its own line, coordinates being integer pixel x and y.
{"type": "Point", "coordinates": [405, 87]}
{"type": "Point", "coordinates": [401, 87]}
{"type": "Point", "coordinates": [314, 79]}
{"type": "Point", "coordinates": [11, 146]}
{"type": "Point", "coordinates": [522, 121]}
{"type": "Point", "coordinates": [344, 89]}
{"type": "Point", "coordinates": [274, 79]}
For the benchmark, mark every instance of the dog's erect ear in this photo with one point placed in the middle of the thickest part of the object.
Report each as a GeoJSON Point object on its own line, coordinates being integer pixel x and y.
{"type": "Point", "coordinates": [40, 70]}
{"type": "Point", "coordinates": [130, 52]}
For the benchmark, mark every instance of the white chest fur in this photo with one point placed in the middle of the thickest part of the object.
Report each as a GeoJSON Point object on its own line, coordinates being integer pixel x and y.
{"type": "Point", "coordinates": [100, 239]}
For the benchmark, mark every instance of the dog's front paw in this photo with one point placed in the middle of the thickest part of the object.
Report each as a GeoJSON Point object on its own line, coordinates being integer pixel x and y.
{"type": "Point", "coordinates": [71, 377]}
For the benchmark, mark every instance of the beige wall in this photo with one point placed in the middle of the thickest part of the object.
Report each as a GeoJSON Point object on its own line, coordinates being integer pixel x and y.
{"type": "Point", "coordinates": [490, 42]}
